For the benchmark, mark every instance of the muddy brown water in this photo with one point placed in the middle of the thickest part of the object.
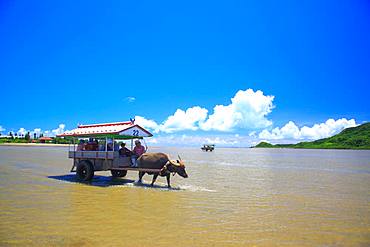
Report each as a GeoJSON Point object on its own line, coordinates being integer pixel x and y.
{"type": "Point", "coordinates": [233, 197]}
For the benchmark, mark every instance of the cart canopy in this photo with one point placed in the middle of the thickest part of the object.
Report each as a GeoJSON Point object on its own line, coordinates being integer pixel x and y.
{"type": "Point", "coordinates": [118, 130]}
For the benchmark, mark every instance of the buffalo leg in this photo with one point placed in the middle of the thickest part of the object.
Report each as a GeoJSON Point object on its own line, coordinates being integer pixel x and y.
{"type": "Point", "coordinates": [141, 175]}
{"type": "Point", "coordinates": [154, 178]}
{"type": "Point", "coordinates": [168, 180]}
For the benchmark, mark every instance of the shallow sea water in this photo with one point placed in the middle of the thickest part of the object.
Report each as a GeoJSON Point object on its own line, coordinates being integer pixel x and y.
{"type": "Point", "coordinates": [233, 197]}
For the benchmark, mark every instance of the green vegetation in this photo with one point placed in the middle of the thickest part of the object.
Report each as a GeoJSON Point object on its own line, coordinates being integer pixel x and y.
{"type": "Point", "coordinates": [27, 136]}
{"type": "Point", "coordinates": [264, 145]}
{"type": "Point", "coordinates": [13, 140]}
{"type": "Point", "coordinates": [26, 139]}
{"type": "Point", "coordinates": [350, 138]}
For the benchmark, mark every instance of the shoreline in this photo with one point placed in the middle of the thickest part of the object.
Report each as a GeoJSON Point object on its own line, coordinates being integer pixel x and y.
{"type": "Point", "coordinates": [67, 145]}
{"type": "Point", "coordinates": [35, 144]}
{"type": "Point", "coordinates": [312, 148]}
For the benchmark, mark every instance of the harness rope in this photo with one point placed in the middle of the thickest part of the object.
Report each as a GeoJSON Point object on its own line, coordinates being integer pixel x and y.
{"type": "Point", "coordinates": [165, 170]}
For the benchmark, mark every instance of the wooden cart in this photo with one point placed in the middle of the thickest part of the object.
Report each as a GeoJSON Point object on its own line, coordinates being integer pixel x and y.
{"type": "Point", "coordinates": [104, 156]}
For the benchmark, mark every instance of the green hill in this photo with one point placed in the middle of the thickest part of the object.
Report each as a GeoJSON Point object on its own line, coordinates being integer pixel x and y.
{"type": "Point", "coordinates": [264, 145]}
{"type": "Point", "coordinates": [350, 138]}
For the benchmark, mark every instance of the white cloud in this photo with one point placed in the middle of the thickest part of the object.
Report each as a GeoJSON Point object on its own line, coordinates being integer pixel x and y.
{"type": "Point", "coordinates": [226, 140]}
{"type": "Point", "coordinates": [184, 120]}
{"type": "Point", "coordinates": [152, 140]}
{"type": "Point", "coordinates": [286, 134]}
{"type": "Point", "coordinates": [221, 141]}
{"type": "Point", "coordinates": [2, 129]}
{"type": "Point", "coordinates": [329, 128]}
{"type": "Point", "coordinates": [147, 123]}
{"type": "Point", "coordinates": [22, 132]}
{"type": "Point", "coordinates": [252, 134]}
{"type": "Point", "coordinates": [49, 133]}
{"type": "Point", "coordinates": [318, 131]}
{"type": "Point", "coordinates": [59, 130]}
{"type": "Point", "coordinates": [130, 99]}
{"type": "Point", "coordinates": [36, 131]}
{"type": "Point", "coordinates": [248, 110]}
{"type": "Point", "coordinates": [179, 121]}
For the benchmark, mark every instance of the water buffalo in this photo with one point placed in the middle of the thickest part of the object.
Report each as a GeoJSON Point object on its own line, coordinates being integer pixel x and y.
{"type": "Point", "coordinates": [161, 161]}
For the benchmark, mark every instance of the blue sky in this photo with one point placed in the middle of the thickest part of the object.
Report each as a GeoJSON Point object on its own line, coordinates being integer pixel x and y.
{"type": "Point", "coordinates": [79, 62]}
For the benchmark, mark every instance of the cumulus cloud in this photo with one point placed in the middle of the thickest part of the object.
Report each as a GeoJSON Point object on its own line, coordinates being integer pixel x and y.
{"type": "Point", "coordinates": [2, 128]}
{"type": "Point", "coordinates": [226, 140]}
{"type": "Point", "coordinates": [248, 110]}
{"type": "Point", "coordinates": [152, 140]}
{"type": "Point", "coordinates": [317, 131]}
{"type": "Point", "coordinates": [179, 121]}
{"type": "Point", "coordinates": [285, 134]}
{"type": "Point", "coordinates": [22, 132]}
{"type": "Point", "coordinates": [147, 123]}
{"type": "Point", "coordinates": [252, 134]}
{"type": "Point", "coordinates": [36, 131]}
{"type": "Point", "coordinates": [184, 120]}
{"type": "Point", "coordinates": [222, 141]}
{"type": "Point", "coordinates": [58, 130]}
{"type": "Point", "coordinates": [50, 133]}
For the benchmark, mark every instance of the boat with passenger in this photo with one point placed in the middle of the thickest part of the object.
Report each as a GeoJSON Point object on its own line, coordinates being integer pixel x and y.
{"type": "Point", "coordinates": [208, 147]}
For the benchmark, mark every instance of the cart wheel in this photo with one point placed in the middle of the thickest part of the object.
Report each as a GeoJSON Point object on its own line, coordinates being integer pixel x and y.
{"type": "Point", "coordinates": [85, 170]}
{"type": "Point", "coordinates": [118, 173]}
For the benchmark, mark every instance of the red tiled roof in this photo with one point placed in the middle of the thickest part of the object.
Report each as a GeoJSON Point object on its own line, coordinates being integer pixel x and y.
{"type": "Point", "coordinates": [45, 138]}
{"type": "Point", "coordinates": [104, 129]}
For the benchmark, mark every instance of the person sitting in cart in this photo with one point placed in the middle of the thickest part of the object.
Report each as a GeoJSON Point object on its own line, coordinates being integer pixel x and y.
{"type": "Point", "coordinates": [92, 145]}
{"type": "Point", "coordinates": [116, 146]}
{"type": "Point", "coordinates": [101, 147]}
{"type": "Point", "coordinates": [81, 146]}
{"type": "Point", "coordinates": [110, 146]}
{"type": "Point", "coordinates": [137, 152]}
{"type": "Point", "coordinates": [124, 151]}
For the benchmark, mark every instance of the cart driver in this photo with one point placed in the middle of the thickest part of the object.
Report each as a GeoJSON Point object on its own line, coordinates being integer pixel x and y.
{"type": "Point", "coordinates": [137, 152]}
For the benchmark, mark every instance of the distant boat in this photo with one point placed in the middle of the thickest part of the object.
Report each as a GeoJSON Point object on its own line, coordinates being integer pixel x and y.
{"type": "Point", "coordinates": [208, 147]}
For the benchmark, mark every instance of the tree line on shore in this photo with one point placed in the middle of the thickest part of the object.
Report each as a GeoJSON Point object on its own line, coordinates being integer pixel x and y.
{"type": "Point", "coordinates": [26, 138]}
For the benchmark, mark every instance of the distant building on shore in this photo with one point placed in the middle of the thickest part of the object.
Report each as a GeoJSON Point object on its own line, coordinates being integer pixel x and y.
{"type": "Point", "coordinates": [45, 139]}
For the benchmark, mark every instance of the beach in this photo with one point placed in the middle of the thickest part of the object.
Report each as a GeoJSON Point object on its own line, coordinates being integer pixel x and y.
{"type": "Point", "coordinates": [233, 197]}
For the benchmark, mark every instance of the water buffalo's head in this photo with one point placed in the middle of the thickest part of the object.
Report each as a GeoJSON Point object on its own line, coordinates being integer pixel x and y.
{"type": "Point", "coordinates": [177, 166]}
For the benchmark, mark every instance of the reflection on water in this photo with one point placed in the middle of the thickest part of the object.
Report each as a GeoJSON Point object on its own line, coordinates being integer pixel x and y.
{"type": "Point", "coordinates": [233, 197]}
{"type": "Point", "coordinates": [106, 181]}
